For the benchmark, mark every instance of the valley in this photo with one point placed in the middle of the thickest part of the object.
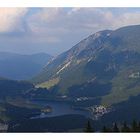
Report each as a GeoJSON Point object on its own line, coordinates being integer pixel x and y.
{"type": "Point", "coordinates": [98, 79]}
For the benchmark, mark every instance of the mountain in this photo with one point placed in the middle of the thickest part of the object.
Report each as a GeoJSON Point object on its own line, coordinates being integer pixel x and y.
{"type": "Point", "coordinates": [103, 66]}
{"type": "Point", "coordinates": [19, 67]}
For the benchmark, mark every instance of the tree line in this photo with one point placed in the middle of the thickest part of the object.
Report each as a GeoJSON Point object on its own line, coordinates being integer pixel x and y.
{"type": "Point", "coordinates": [116, 128]}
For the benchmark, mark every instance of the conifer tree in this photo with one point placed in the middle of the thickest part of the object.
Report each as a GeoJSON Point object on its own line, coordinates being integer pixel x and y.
{"type": "Point", "coordinates": [139, 127]}
{"type": "Point", "coordinates": [115, 128]}
{"type": "Point", "coordinates": [125, 128]}
{"type": "Point", "coordinates": [134, 127]}
{"type": "Point", "coordinates": [88, 128]}
{"type": "Point", "coordinates": [105, 129]}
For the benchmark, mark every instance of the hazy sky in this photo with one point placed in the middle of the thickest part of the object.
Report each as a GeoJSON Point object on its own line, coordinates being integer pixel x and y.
{"type": "Point", "coordinates": [54, 30]}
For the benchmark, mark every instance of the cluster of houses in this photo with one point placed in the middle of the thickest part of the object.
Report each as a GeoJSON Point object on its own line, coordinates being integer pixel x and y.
{"type": "Point", "coordinates": [46, 109]}
{"type": "Point", "coordinates": [3, 127]}
{"type": "Point", "coordinates": [135, 75]}
{"type": "Point", "coordinates": [82, 98]}
{"type": "Point", "coordinates": [98, 111]}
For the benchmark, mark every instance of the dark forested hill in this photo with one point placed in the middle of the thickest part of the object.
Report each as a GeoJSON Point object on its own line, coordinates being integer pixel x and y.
{"type": "Point", "coordinates": [11, 88]}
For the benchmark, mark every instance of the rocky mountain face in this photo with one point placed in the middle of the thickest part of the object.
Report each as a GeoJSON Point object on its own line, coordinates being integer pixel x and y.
{"type": "Point", "coordinates": [105, 65]}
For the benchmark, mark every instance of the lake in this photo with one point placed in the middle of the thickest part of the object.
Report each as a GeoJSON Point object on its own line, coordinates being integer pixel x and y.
{"type": "Point", "coordinates": [60, 108]}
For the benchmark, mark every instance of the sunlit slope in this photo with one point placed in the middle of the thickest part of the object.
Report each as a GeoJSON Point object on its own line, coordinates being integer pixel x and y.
{"type": "Point", "coordinates": [105, 64]}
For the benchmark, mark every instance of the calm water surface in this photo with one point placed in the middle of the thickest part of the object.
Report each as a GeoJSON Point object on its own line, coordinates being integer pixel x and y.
{"type": "Point", "coordinates": [60, 108]}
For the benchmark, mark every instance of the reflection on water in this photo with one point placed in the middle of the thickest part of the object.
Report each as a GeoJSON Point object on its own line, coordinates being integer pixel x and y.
{"type": "Point", "coordinates": [60, 108]}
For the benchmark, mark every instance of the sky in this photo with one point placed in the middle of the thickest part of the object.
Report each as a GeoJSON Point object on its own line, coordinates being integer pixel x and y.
{"type": "Point", "coordinates": [55, 30]}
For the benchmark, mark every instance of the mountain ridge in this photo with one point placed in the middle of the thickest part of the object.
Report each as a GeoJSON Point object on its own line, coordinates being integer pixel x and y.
{"type": "Point", "coordinates": [20, 67]}
{"type": "Point", "coordinates": [104, 59]}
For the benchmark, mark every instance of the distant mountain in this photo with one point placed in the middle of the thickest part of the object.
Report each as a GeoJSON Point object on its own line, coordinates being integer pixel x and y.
{"type": "Point", "coordinates": [19, 67]}
{"type": "Point", "coordinates": [105, 66]}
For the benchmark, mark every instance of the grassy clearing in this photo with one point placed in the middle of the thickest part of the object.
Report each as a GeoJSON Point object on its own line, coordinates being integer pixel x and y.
{"type": "Point", "coordinates": [48, 84]}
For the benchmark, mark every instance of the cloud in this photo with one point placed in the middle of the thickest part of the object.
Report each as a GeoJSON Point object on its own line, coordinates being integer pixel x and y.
{"type": "Point", "coordinates": [57, 29]}
{"type": "Point", "coordinates": [67, 25]}
{"type": "Point", "coordinates": [10, 18]}
{"type": "Point", "coordinates": [57, 22]}
{"type": "Point", "coordinates": [83, 18]}
{"type": "Point", "coordinates": [127, 19]}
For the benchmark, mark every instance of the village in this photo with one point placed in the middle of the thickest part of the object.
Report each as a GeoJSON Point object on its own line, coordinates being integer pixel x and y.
{"type": "Point", "coordinates": [135, 75]}
{"type": "Point", "coordinates": [98, 111]}
{"type": "Point", "coordinates": [3, 127]}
